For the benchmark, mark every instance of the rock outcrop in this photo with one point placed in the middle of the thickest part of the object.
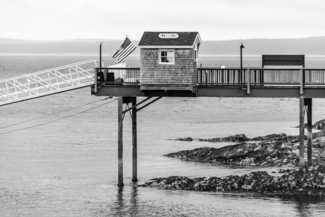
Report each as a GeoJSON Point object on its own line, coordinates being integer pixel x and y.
{"type": "Point", "coordinates": [293, 181]}
{"type": "Point", "coordinates": [248, 154]}
{"type": "Point", "coordinates": [274, 150]}
{"type": "Point", "coordinates": [242, 138]}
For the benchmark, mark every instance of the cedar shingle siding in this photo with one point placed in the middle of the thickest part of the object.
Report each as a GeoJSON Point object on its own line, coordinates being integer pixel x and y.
{"type": "Point", "coordinates": [182, 72]}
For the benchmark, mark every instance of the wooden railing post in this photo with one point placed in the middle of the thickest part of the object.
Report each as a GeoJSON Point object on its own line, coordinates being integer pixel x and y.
{"type": "Point", "coordinates": [255, 77]}
{"type": "Point", "coordinates": [222, 76]}
{"type": "Point", "coordinates": [304, 76]}
{"type": "Point", "coordinates": [262, 77]}
{"type": "Point", "coordinates": [96, 80]}
{"type": "Point", "coordinates": [244, 77]}
{"type": "Point", "coordinates": [301, 81]}
{"type": "Point", "coordinates": [249, 81]}
{"type": "Point", "coordinates": [206, 77]}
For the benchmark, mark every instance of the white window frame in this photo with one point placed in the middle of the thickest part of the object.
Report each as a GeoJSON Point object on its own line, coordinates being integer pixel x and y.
{"type": "Point", "coordinates": [168, 50]}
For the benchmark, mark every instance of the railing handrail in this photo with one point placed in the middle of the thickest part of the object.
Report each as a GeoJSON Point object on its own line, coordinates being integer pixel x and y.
{"type": "Point", "coordinates": [224, 69]}
{"type": "Point", "coordinates": [213, 68]}
{"type": "Point", "coordinates": [259, 68]}
{"type": "Point", "coordinates": [119, 68]}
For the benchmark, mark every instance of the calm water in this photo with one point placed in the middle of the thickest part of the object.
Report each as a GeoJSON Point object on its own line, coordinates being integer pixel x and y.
{"type": "Point", "coordinates": [69, 167]}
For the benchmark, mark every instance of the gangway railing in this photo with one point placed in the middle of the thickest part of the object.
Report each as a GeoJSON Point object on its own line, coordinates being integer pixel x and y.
{"type": "Point", "coordinates": [47, 82]}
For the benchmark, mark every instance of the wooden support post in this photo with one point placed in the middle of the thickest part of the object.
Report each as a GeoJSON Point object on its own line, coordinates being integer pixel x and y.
{"type": "Point", "coordinates": [134, 141]}
{"type": "Point", "coordinates": [308, 102]}
{"type": "Point", "coordinates": [120, 142]}
{"type": "Point", "coordinates": [301, 131]}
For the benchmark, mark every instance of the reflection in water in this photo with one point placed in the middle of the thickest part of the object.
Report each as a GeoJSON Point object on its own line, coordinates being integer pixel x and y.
{"type": "Point", "coordinates": [120, 202]}
{"type": "Point", "coordinates": [303, 209]}
{"type": "Point", "coordinates": [134, 201]}
{"type": "Point", "coordinates": [304, 202]}
{"type": "Point", "coordinates": [127, 204]}
{"type": "Point", "coordinates": [182, 202]}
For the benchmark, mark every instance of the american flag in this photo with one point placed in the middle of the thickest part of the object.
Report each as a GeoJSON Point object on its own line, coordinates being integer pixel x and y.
{"type": "Point", "coordinates": [127, 47]}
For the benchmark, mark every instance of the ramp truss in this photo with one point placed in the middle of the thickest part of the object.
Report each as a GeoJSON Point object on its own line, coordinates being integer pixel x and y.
{"type": "Point", "coordinates": [47, 82]}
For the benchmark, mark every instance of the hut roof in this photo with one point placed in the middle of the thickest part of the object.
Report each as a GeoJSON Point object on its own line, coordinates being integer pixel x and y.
{"type": "Point", "coordinates": [169, 39]}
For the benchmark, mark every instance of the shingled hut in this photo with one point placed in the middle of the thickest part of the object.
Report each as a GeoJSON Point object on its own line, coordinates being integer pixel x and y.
{"type": "Point", "coordinates": [169, 60]}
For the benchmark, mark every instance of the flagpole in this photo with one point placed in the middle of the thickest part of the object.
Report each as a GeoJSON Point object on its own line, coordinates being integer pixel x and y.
{"type": "Point", "coordinates": [100, 56]}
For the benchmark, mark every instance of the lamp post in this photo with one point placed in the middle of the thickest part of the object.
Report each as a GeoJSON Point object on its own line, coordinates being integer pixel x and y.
{"type": "Point", "coordinates": [241, 60]}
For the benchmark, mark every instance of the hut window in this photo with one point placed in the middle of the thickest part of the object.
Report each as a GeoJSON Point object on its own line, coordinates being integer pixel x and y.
{"type": "Point", "coordinates": [166, 56]}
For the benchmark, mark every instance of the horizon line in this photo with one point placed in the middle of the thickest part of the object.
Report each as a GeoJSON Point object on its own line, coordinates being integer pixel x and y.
{"type": "Point", "coordinates": [113, 39]}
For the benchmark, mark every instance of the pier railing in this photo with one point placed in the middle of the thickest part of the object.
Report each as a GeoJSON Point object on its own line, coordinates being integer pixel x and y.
{"type": "Point", "coordinates": [116, 76]}
{"type": "Point", "coordinates": [223, 77]}
{"type": "Point", "coordinates": [261, 76]}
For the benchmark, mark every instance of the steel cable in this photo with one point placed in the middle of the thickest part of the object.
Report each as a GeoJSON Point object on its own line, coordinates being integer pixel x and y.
{"type": "Point", "coordinates": [65, 117]}
{"type": "Point", "coordinates": [55, 113]}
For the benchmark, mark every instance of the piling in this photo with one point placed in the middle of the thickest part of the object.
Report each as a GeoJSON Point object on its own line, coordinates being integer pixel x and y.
{"type": "Point", "coordinates": [134, 141]}
{"type": "Point", "coordinates": [308, 103]}
{"type": "Point", "coordinates": [120, 142]}
{"type": "Point", "coordinates": [301, 131]}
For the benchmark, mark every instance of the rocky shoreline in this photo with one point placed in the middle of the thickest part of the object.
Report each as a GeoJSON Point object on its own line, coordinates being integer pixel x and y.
{"type": "Point", "coordinates": [308, 181]}
{"type": "Point", "coordinates": [271, 150]}
{"type": "Point", "coordinates": [282, 137]}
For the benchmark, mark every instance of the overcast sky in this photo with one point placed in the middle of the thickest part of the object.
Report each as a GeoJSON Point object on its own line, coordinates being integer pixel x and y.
{"type": "Point", "coordinates": [113, 19]}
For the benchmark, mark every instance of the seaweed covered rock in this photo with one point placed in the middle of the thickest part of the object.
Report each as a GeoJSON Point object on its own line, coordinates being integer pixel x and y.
{"type": "Point", "coordinates": [252, 154]}
{"type": "Point", "coordinates": [293, 181]}
{"type": "Point", "coordinates": [187, 139]}
{"type": "Point", "coordinates": [282, 137]}
{"type": "Point", "coordinates": [234, 138]}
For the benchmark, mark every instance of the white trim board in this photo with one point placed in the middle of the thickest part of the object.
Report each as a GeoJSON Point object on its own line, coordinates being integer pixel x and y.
{"type": "Point", "coordinates": [167, 47]}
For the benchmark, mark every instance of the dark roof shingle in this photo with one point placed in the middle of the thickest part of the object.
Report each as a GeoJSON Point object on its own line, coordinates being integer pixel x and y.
{"type": "Point", "coordinates": [152, 39]}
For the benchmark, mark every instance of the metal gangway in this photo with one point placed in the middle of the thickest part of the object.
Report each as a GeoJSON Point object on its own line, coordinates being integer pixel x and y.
{"type": "Point", "coordinates": [47, 82]}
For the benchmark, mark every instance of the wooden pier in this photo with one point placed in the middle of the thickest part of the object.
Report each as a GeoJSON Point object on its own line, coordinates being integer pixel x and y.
{"type": "Point", "coordinates": [169, 68]}
{"type": "Point", "coordinates": [303, 84]}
